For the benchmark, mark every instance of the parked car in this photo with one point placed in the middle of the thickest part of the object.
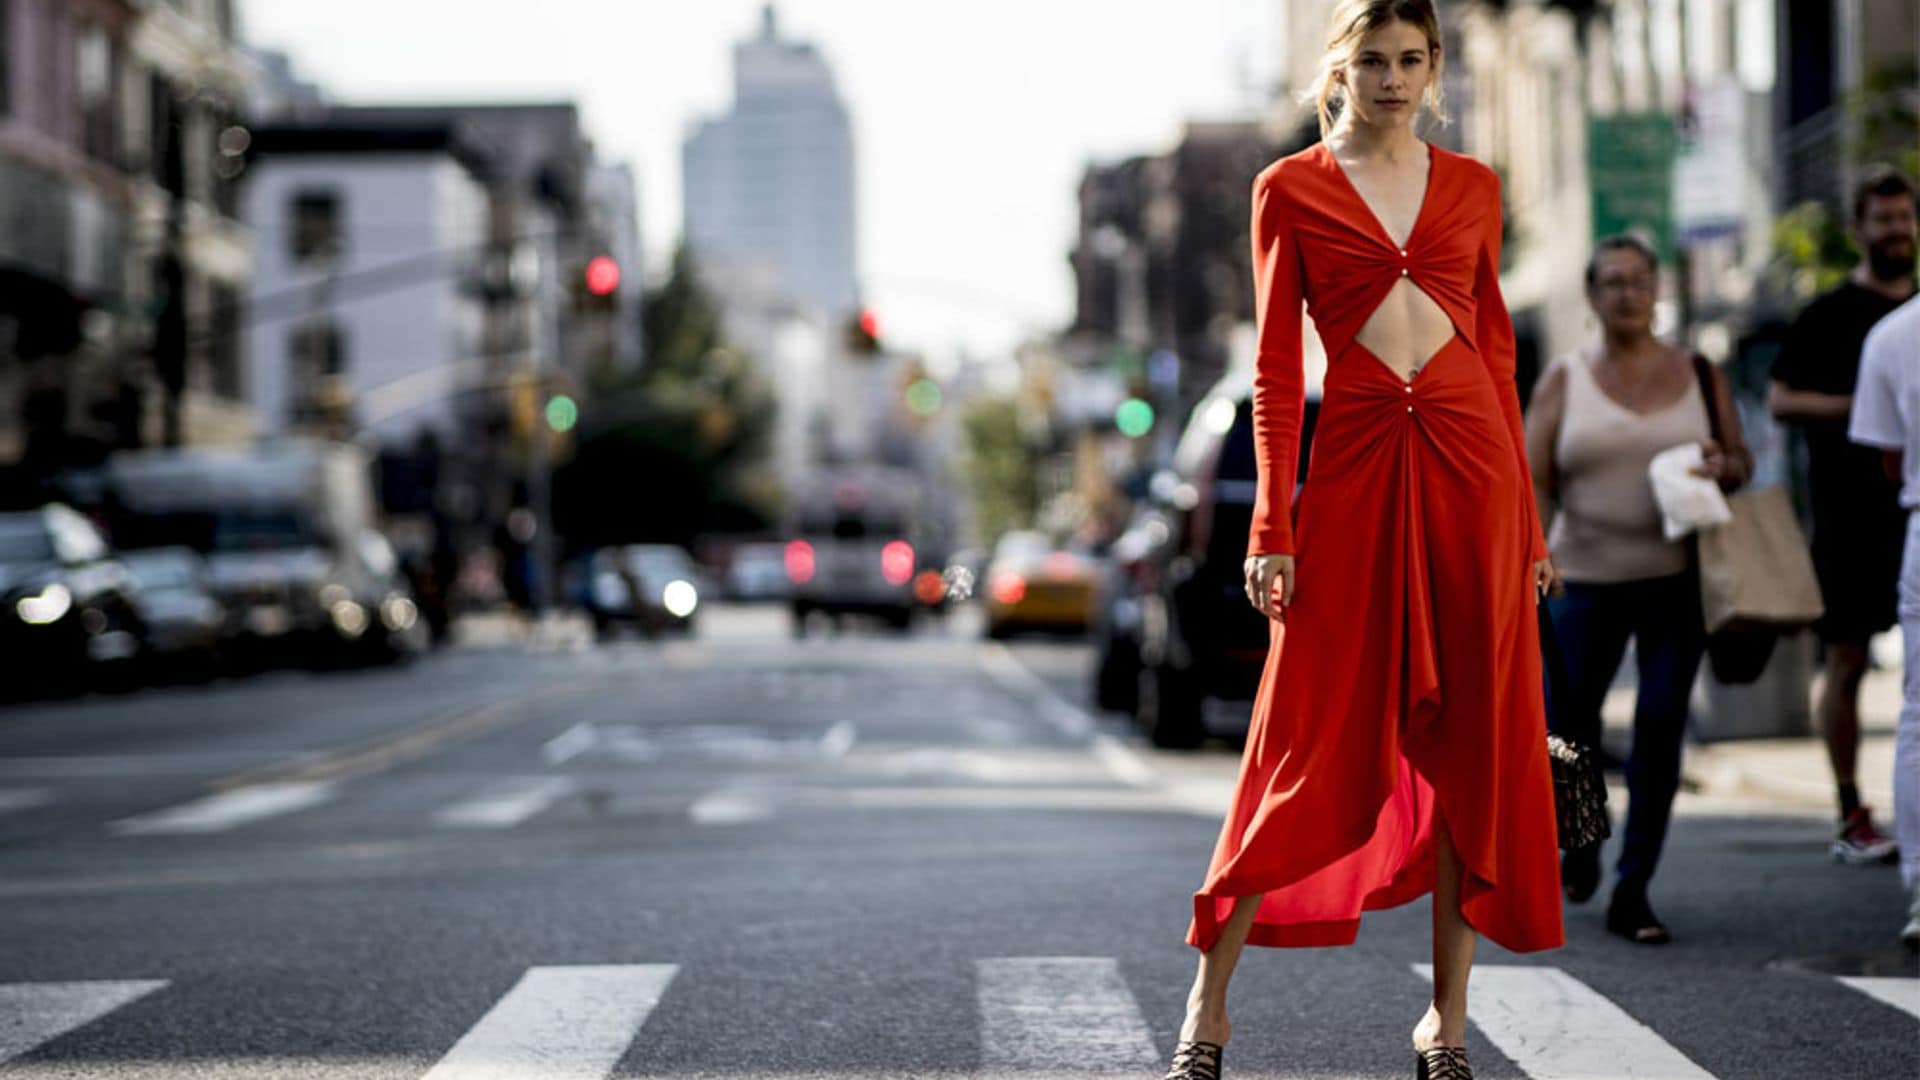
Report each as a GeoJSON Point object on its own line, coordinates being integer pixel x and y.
{"type": "Point", "coordinates": [69, 605]}
{"type": "Point", "coordinates": [1127, 571]}
{"type": "Point", "coordinates": [758, 572]}
{"type": "Point", "coordinates": [288, 533]}
{"type": "Point", "coordinates": [185, 624]}
{"type": "Point", "coordinates": [1195, 634]}
{"type": "Point", "coordinates": [857, 533]}
{"type": "Point", "coordinates": [649, 587]}
{"type": "Point", "coordinates": [1033, 583]}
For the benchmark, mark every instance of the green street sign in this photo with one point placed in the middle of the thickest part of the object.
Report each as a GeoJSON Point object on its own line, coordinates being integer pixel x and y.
{"type": "Point", "coordinates": [1630, 161]}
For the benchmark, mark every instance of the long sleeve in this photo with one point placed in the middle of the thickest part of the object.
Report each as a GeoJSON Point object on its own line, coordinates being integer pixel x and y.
{"type": "Point", "coordinates": [1279, 384]}
{"type": "Point", "coordinates": [1494, 337]}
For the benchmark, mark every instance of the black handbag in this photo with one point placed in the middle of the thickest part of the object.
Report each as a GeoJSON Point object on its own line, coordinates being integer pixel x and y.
{"type": "Point", "coordinates": [1579, 790]}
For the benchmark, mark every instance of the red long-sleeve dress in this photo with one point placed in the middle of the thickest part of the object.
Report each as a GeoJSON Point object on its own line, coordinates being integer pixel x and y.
{"type": "Point", "coordinates": [1405, 682]}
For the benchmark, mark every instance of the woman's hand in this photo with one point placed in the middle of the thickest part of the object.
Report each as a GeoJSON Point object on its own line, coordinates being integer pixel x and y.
{"type": "Point", "coordinates": [1716, 464]}
{"type": "Point", "coordinates": [1260, 571]}
{"type": "Point", "coordinates": [1547, 580]}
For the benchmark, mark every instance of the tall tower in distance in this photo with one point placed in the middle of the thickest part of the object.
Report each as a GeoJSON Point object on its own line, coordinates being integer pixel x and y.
{"type": "Point", "coordinates": [769, 185]}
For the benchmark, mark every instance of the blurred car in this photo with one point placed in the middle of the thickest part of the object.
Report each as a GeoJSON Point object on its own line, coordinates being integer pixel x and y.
{"type": "Point", "coordinates": [185, 623]}
{"type": "Point", "coordinates": [69, 605]}
{"type": "Point", "coordinates": [855, 547]}
{"type": "Point", "coordinates": [758, 572]}
{"type": "Point", "coordinates": [1034, 584]}
{"type": "Point", "coordinates": [287, 532]}
{"type": "Point", "coordinates": [650, 587]}
{"type": "Point", "coordinates": [1126, 572]}
{"type": "Point", "coordinates": [1195, 635]}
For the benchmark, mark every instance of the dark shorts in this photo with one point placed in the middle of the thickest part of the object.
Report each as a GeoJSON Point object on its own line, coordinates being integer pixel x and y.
{"type": "Point", "coordinates": [1859, 571]}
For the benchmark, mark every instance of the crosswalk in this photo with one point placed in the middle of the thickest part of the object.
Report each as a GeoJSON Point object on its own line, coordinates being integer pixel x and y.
{"type": "Point", "coordinates": [1035, 1016]}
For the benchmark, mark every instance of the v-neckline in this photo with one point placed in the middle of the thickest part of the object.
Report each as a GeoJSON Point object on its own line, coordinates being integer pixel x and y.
{"type": "Point", "coordinates": [1380, 226]}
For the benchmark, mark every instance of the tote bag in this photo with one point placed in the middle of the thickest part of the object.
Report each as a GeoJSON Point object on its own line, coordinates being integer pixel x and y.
{"type": "Point", "coordinates": [1756, 574]}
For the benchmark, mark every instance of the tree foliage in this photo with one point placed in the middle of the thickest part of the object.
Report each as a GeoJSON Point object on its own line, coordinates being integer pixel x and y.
{"type": "Point", "coordinates": [671, 451]}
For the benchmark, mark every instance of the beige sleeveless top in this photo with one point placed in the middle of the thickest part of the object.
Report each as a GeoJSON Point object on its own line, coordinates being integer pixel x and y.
{"type": "Point", "coordinates": [1607, 527]}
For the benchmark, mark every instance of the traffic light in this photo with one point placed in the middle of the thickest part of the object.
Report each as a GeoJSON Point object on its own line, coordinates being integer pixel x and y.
{"type": "Point", "coordinates": [602, 275]}
{"type": "Point", "coordinates": [1134, 418]}
{"type": "Point", "coordinates": [863, 333]}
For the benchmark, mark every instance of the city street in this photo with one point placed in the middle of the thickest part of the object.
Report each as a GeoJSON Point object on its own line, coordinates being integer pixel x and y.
{"type": "Point", "coordinates": [744, 855]}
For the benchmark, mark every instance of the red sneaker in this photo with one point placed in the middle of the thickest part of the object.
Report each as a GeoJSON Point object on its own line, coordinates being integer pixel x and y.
{"type": "Point", "coordinates": [1860, 841]}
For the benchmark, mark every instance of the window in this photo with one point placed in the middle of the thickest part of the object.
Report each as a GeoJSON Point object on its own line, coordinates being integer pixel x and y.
{"type": "Point", "coordinates": [94, 57]}
{"type": "Point", "coordinates": [224, 350]}
{"type": "Point", "coordinates": [316, 225]}
{"type": "Point", "coordinates": [164, 158]}
{"type": "Point", "coordinates": [316, 360]}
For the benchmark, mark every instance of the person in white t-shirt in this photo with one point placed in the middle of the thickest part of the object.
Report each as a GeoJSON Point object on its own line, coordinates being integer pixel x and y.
{"type": "Point", "coordinates": [1886, 414]}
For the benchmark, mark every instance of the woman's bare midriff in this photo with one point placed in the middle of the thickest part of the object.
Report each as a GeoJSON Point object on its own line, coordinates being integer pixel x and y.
{"type": "Point", "coordinates": [1406, 330]}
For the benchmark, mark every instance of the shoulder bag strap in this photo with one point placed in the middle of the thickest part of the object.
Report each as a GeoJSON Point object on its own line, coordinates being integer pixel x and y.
{"type": "Point", "coordinates": [1704, 372]}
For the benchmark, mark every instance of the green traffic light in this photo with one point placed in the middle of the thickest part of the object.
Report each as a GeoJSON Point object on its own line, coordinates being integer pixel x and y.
{"type": "Point", "coordinates": [923, 397]}
{"type": "Point", "coordinates": [562, 413]}
{"type": "Point", "coordinates": [1134, 418]}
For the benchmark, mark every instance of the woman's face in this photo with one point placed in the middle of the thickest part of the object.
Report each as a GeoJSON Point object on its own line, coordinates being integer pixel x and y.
{"type": "Point", "coordinates": [1389, 74]}
{"type": "Point", "coordinates": [1623, 290]}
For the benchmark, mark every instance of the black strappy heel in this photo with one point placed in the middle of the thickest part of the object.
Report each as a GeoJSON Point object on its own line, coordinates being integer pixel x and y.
{"type": "Point", "coordinates": [1442, 1063]}
{"type": "Point", "coordinates": [1195, 1059]}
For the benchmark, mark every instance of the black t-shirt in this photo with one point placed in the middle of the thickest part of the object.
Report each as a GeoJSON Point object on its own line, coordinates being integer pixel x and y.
{"type": "Point", "coordinates": [1822, 353]}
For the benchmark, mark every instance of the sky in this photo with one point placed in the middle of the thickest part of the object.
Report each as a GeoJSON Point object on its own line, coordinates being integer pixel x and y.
{"type": "Point", "coordinates": [972, 121]}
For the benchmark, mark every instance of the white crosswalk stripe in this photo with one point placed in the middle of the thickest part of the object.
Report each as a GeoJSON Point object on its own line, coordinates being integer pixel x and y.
{"type": "Point", "coordinates": [507, 804]}
{"type": "Point", "coordinates": [227, 809]}
{"type": "Point", "coordinates": [1556, 1027]}
{"type": "Point", "coordinates": [1902, 994]}
{"type": "Point", "coordinates": [1059, 1015]}
{"type": "Point", "coordinates": [559, 1023]}
{"type": "Point", "coordinates": [34, 1013]}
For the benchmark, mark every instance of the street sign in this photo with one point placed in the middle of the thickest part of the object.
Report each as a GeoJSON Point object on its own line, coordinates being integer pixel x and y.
{"type": "Point", "coordinates": [1630, 160]}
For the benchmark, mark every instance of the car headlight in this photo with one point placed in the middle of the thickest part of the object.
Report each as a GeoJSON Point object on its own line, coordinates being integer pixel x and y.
{"type": "Point", "coordinates": [49, 605]}
{"type": "Point", "coordinates": [679, 598]}
{"type": "Point", "coordinates": [349, 618]}
{"type": "Point", "coordinates": [398, 612]}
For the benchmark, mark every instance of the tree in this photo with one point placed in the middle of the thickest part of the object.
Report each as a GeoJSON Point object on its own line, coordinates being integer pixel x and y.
{"type": "Point", "coordinates": [670, 452]}
{"type": "Point", "coordinates": [1000, 467]}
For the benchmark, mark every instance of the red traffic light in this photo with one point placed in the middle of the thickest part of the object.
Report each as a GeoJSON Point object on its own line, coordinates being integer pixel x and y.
{"type": "Point", "coordinates": [603, 275]}
{"type": "Point", "coordinates": [869, 323]}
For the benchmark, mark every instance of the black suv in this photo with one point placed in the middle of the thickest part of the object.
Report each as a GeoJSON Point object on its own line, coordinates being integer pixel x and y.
{"type": "Point", "coordinates": [1176, 612]}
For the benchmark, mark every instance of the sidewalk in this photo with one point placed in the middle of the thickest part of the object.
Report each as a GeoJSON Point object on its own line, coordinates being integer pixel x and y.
{"type": "Point", "coordinates": [509, 628]}
{"type": "Point", "coordinates": [1792, 771]}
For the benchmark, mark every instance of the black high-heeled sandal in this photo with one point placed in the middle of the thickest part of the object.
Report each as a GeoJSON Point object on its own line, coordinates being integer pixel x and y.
{"type": "Point", "coordinates": [1580, 873]}
{"type": "Point", "coordinates": [1195, 1059]}
{"type": "Point", "coordinates": [1442, 1063]}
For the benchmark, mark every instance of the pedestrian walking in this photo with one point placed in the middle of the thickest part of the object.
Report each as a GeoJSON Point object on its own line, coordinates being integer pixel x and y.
{"type": "Point", "coordinates": [1597, 420]}
{"type": "Point", "coordinates": [1886, 418]}
{"type": "Point", "coordinates": [1398, 739]}
{"type": "Point", "coordinates": [1858, 527]}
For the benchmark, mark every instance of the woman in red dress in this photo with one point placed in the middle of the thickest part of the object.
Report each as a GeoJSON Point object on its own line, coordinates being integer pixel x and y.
{"type": "Point", "coordinates": [1398, 737]}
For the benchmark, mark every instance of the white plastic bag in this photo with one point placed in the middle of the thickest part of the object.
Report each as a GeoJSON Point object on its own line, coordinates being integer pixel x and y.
{"type": "Point", "coordinates": [1687, 502]}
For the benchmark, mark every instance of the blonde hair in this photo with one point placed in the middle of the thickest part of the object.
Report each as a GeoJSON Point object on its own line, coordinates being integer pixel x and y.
{"type": "Point", "coordinates": [1352, 21]}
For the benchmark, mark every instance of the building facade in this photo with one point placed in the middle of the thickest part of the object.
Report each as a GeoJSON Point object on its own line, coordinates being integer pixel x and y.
{"type": "Point", "coordinates": [769, 186]}
{"type": "Point", "coordinates": [123, 265]}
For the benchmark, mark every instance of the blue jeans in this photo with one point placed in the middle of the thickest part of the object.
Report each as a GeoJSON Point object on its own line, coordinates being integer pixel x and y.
{"type": "Point", "coordinates": [1593, 623]}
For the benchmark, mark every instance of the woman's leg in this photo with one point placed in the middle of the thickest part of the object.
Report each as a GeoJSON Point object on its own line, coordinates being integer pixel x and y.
{"type": "Point", "coordinates": [1453, 939]}
{"type": "Point", "coordinates": [1668, 642]}
{"type": "Point", "coordinates": [1207, 1001]}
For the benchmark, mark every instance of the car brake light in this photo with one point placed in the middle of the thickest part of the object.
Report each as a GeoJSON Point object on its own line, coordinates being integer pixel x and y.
{"type": "Point", "coordinates": [799, 560]}
{"type": "Point", "coordinates": [896, 562]}
{"type": "Point", "coordinates": [929, 587]}
{"type": "Point", "coordinates": [1009, 588]}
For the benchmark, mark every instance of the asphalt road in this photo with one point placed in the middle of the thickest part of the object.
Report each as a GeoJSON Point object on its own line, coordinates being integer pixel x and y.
{"type": "Point", "coordinates": [746, 856]}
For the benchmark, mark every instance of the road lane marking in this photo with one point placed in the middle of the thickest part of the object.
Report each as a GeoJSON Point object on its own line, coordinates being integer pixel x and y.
{"type": "Point", "coordinates": [1059, 1014]}
{"type": "Point", "coordinates": [559, 1023]}
{"type": "Point", "coordinates": [35, 1013]}
{"type": "Point", "coordinates": [12, 799]}
{"type": "Point", "coordinates": [570, 743]}
{"type": "Point", "coordinates": [1902, 994]}
{"type": "Point", "coordinates": [507, 805]}
{"type": "Point", "coordinates": [225, 810]}
{"type": "Point", "coordinates": [1556, 1027]}
{"type": "Point", "coordinates": [728, 807]}
{"type": "Point", "coordinates": [1017, 679]}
